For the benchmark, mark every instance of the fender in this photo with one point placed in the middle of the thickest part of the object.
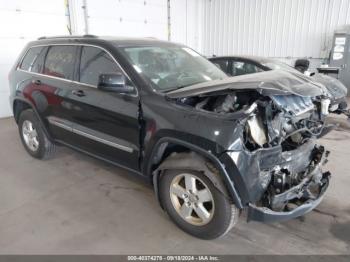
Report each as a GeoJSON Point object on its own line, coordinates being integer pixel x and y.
{"type": "Point", "coordinates": [232, 192]}
{"type": "Point", "coordinates": [31, 106]}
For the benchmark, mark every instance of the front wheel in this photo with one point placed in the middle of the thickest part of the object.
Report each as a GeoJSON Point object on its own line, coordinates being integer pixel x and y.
{"type": "Point", "coordinates": [196, 205]}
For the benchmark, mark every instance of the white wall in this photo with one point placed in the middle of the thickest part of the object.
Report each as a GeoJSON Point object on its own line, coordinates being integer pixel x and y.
{"type": "Point", "coordinates": [22, 21]}
{"type": "Point", "coordinates": [133, 18]}
{"type": "Point", "coordinates": [187, 23]}
{"type": "Point", "coordinates": [25, 20]}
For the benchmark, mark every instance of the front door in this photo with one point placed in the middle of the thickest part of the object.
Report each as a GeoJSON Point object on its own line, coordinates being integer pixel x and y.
{"type": "Point", "coordinates": [104, 123]}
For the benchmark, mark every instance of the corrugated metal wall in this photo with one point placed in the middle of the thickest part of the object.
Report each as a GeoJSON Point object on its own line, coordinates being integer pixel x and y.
{"type": "Point", "coordinates": [274, 28]}
{"type": "Point", "coordinates": [187, 21]}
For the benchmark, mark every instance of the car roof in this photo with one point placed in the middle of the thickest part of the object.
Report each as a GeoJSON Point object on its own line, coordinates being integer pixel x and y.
{"type": "Point", "coordinates": [116, 41]}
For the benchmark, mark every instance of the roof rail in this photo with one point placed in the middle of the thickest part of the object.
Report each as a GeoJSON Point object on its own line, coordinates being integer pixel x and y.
{"type": "Point", "coordinates": [67, 36]}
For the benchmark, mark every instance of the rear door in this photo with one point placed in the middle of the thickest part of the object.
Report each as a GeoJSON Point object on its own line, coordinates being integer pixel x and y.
{"type": "Point", "coordinates": [49, 71]}
{"type": "Point", "coordinates": [104, 123]}
{"type": "Point", "coordinates": [55, 82]}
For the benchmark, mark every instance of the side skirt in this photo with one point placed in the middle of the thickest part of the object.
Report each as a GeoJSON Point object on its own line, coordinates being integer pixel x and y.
{"type": "Point", "coordinates": [100, 158]}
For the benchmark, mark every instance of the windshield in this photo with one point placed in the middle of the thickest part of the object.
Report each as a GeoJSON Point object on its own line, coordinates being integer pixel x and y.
{"type": "Point", "coordinates": [279, 65]}
{"type": "Point", "coordinates": [170, 68]}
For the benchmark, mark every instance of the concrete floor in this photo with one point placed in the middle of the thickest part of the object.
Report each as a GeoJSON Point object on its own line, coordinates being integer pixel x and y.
{"type": "Point", "coordinates": [74, 204]}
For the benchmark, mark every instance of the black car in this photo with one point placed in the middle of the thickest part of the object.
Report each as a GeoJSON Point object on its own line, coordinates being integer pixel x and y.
{"type": "Point", "coordinates": [241, 65]}
{"type": "Point", "coordinates": [210, 145]}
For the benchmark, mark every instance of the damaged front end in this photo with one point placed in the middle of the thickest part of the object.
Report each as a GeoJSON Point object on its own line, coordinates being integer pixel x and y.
{"type": "Point", "coordinates": [290, 193]}
{"type": "Point", "coordinates": [273, 144]}
{"type": "Point", "coordinates": [279, 144]}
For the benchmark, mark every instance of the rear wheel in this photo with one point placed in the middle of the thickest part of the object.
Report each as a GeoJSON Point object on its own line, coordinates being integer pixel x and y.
{"type": "Point", "coordinates": [33, 136]}
{"type": "Point", "coordinates": [195, 204]}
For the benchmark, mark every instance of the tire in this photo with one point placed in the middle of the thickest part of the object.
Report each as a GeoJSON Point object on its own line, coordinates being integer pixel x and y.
{"type": "Point", "coordinates": [223, 215]}
{"type": "Point", "coordinates": [33, 137]}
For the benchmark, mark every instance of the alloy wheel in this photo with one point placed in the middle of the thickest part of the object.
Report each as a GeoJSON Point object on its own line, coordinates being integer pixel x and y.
{"type": "Point", "coordinates": [30, 135]}
{"type": "Point", "coordinates": [192, 199]}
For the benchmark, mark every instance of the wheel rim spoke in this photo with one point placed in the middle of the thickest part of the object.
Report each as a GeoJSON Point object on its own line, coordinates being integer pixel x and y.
{"type": "Point", "coordinates": [26, 125]}
{"type": "Point", "coordinates": [204, 195]}
{"type": "Point", "coordinates": [190, 183]}
{"type": "Point", "coordinates": [185, 211]}
{"type": "Point", "coordinates": [202, 212]}
{"type": "Point", "coordinates": [34, 133]}
{"type": "Point", "coordinates": [188, 194]}
{"type": "Point", "coordinates": [30, 135]}
{"type": "Point", "coordinates": [35, 142]}
{"type": "Point", "coordinates": [25, 131]}
{"type": "Point", "coordinates": [178, 190]}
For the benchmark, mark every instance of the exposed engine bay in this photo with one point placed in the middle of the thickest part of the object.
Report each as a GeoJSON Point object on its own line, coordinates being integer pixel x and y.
{"type": "Point", "coordinates": [285, 128]}
{"type": "Point", "coordinates": [287, 120]}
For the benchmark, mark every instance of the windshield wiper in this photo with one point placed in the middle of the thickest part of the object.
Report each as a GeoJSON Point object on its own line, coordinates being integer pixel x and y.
{"type": "Point", "coordinates": [179, 87]}
{"type": "Point", "coordinates": [173, 89]}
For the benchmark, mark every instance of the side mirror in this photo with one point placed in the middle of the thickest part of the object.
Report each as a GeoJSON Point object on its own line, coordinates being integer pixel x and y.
{"type": "Point", "coordinates": [114, 83]}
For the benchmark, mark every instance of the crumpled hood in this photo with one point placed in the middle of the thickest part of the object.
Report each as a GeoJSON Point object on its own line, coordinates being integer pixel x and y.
{"type": "Point", "coordinates": [335, 88]}
{"type": "Point", "coordinates": [274, 82]}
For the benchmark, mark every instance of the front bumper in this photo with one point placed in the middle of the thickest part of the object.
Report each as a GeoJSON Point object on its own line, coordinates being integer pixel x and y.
{"type": "Point", "coordinates": [303, 192]}
{"type": "Point", "coordinates": [264, 214]}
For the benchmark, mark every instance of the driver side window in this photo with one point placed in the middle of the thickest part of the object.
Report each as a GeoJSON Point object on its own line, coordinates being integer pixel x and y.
{"type": "Point", "coordinates": [94, 62]}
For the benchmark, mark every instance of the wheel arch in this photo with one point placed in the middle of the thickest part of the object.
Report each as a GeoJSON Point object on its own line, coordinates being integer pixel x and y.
{"type": "Point", "coordinates": [21, 104]}
{"type": "Point", "coordinates": [198, 159]}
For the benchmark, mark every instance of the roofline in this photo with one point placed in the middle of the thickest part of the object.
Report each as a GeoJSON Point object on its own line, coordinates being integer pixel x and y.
{"type": "Point", "coordinates": [67, 37]}
{"type": "Point", "coordinates": [111, 40]}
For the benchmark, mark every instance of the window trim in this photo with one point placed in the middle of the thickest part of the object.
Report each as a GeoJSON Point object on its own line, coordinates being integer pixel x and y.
{"type": "Point", "coordinates": [20, 64]}
{"type": "Point", "coordinates": [74, 81]}
{"type": "Point", "coordinates": [78, 67]}
{"type": "Point", "coordinates": [74, 63]}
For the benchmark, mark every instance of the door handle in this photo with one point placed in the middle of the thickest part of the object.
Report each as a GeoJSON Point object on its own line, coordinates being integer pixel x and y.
{"type": "Point", "coordinates": [36, 82]}
{"type": "Point", "coordinates": [79, 93]}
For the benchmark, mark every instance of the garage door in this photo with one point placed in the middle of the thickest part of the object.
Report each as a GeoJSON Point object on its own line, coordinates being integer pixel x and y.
{"type": "Point", "coordinates": [22, 21]}
{"type": "Point", "coordinates": [135, 18]}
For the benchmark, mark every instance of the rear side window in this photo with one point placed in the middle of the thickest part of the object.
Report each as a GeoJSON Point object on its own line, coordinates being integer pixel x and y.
{"type": "Point", "coordinates": [33, 61]}
{"type": "Point", "coordinates": [94, 62]}
{"type": "Point", "coordinates": [60, 61]}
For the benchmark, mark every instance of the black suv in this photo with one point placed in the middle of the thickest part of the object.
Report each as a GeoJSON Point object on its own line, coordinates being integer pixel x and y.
{"type": "Point", "coordinates": [210, 145]}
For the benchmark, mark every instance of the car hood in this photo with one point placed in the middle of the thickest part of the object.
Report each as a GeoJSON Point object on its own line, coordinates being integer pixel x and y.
{"type": "Point", "coordinates": [274, 82]}
{"type": "Point", "coordinates": [335, 88]}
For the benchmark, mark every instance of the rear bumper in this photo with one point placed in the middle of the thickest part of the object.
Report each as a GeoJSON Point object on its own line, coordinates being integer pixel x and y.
{"type": "Point", "coordinates": [264, 214]}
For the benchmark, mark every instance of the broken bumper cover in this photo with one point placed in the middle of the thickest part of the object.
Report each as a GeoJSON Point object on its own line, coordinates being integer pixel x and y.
{"type": "Point", "coordinates": [265, 214]}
